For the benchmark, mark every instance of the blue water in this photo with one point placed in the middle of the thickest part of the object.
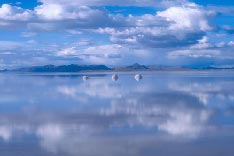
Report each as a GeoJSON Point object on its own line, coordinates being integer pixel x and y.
{"type": "Point", "coordinates": [164, 114]}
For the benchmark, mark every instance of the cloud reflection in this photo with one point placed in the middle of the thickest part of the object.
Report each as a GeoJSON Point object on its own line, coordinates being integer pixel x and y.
{"type": "Point", "coordinates": [66, 116]}
{"type": "Point", "coordinates": [5, 133]}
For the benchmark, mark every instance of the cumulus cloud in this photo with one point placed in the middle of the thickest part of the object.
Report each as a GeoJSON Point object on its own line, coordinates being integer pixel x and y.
{"type": "Point", "coordinates": [179, 24]}
{"type": "Point", "coordinates": [189, 17]}
{"type": "Point", "coordinates": [8, 12]}
{"type": "Point", "coordinates": [14, 17]}
{"type": "Point", "coordinates": [53, 12]}
{"type": "Point", "coordinates": [52, 17]}
{"type": "Point", "coordinates": [164, 29]}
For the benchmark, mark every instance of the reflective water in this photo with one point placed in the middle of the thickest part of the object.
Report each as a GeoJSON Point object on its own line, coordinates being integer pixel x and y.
{"type": "Point", "coordinates": [165, 113]}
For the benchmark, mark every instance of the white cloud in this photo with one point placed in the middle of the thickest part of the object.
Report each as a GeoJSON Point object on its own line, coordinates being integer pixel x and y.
{"type": "Point", "coordinates": [74, 32]}
{"type": "Point", "coordinates": [202, 44]}
{"type": "Point", "coordinates": [32, 42]}
{"type": "Point", "coordinates": [185, 123]}
{"type": "Point", "coordinates": [231, 43]}
{"type": "Point", "coordinates": [176, 26]}
{"type": "Point", "coordinates": [5, 133]}
{"type": "Point", "coordinates": [8, 12]}
{"type": "Point", "coordinates": [68, 91]}
{"type": "Point", "coordinates": [99, 88]}
{"type": "Point", "coordinates": [6, 53]}
{"type": "Point", "coordinates": [201, 91]}
{"type": "Point", "coordinates": [12, 17]}
{"type": "Point", "coordinates": [180, 119]}
{"type": "Point", "coordinates": [221, 44]}
{"type": "Point", "coordinates": [164, 29]}
{"type": "Point", "coordinates": [50, 11]}
{"type": "Point", "coordinates": [106, 54]}
{"type": "Point", "coordinates": [51, 134]}
{"type": "Point", "coordinates": [154, 3]}
{"type": "Point", "coordinates": [59, 12]}
{"type": "Point", "coordinates": [189, 17]}
{"type": "Point", "coordinates": [194, 53]}
{"type": "Point", "coordinates": [9, 45]}
{"type": "Point", "coordinates": [179, 25]}
{"type": "Point", "coordinates": [68, 52]}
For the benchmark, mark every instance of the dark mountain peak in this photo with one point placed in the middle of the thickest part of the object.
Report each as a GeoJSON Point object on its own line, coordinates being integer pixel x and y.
{"type": "Point", "coordinates": [49, 66]}
{"type": "Point", "coordinates": [137, 66]}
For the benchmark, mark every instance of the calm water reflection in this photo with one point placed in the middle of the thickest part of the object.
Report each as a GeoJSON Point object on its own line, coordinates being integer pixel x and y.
{"type": "Point", "coordinates": [179, 114]}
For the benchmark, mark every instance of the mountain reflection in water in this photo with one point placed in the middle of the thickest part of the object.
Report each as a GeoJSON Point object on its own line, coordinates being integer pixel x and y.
{"type": "Point", "coordinates": [166, 113]}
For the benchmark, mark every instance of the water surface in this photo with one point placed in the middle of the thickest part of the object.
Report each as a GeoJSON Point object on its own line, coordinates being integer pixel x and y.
{"type": "Point", "coordinates": [164, 114]}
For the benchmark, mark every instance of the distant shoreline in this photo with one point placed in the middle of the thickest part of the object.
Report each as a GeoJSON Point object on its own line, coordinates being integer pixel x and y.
{"type": "Point", "coordinates": [119, 71]}
{"type": "Point", "coordinates": [74, 68]}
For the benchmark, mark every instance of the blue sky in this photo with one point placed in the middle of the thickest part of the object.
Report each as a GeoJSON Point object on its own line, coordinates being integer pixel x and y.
{"type": "Point", "coordinates": [115, 33]}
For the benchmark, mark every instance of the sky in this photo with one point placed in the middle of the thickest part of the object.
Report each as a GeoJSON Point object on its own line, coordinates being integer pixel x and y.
{"type": "Point", "coordinates": [193, 33]}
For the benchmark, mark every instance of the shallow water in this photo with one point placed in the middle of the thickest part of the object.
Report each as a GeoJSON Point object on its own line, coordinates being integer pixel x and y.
{"type": "Point", "coordinates": [164, 114]}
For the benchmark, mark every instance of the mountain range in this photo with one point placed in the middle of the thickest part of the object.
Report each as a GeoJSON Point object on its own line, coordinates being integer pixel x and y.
{"type": "Point", "coordinates": [134, 67]}
{"type": "Point", "coordinates": [64, 68]}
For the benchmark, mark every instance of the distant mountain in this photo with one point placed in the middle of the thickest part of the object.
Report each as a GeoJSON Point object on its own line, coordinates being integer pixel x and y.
{"type": "Point", "coordinates": [216, 68]}
{"type": "Point", "coordinates": [167, 68]}
{"type": "Point", "coordinates": [211, 68]}
{"type": "Point", "coordinates": [64, 68]}
{"type": "Point", "coordinates": [78, 68]}
{"type": "Point", "coordinates": [135, 66]}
